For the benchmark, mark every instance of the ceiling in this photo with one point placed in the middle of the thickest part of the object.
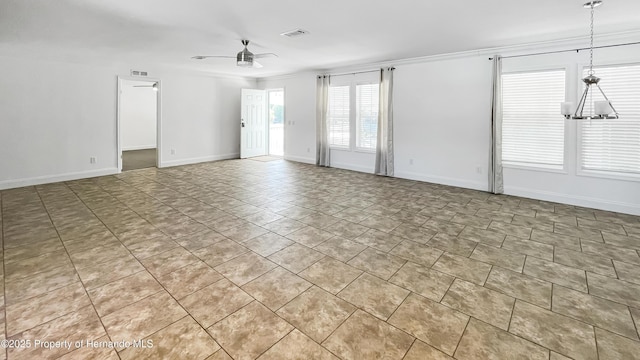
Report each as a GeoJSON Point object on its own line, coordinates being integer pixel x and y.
{"type": "Point", "coordinates": [342, 32]}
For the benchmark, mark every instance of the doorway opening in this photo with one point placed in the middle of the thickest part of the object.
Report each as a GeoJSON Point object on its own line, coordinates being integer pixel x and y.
{"type": "Point", "coordinates": [138, 124]}
{"type": "Point", "coordinates": [276, 122]}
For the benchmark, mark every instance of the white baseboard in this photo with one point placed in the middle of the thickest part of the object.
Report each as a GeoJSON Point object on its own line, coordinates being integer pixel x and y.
{"type": "Point", "coordinates": [139, 147]}
{"type": "Point", "coordinates": [300, 159]}
{"type": "Point", "coordinates": [47, 179]}
{"type": "Point", "coordinates": [199, 160]}
{"type": "Point", "coordinates": [584, 201]}
{"type": "Point", "coordinates": [352, 167]}
{"type": "Point", "coordinates": [442, 180]}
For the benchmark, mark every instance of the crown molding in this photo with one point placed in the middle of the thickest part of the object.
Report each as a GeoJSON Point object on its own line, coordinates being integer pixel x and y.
{"type": "Point", "coordinates": [520, 49]}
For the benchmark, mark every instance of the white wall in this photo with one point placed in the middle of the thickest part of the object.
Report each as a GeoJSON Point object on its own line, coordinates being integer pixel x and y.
{"type": "Point", "coordinates": [138, 109]}
{"type": "Point", "coordinates": [55, 116]}
{"type": "Point", "coordinates": [200, 118]}
{"type": "Point", "coordinates": [442, 128]}
{"type": "Point", "coordinates": [299, 114]}
{"type": "Point", "coordinates": [443, 143]}
{"type": "Point", "coordinates": [442, 114]}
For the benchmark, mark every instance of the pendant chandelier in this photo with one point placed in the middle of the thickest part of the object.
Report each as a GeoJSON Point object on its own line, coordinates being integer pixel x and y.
{"type": "Point", "coordinates": [600, 109]}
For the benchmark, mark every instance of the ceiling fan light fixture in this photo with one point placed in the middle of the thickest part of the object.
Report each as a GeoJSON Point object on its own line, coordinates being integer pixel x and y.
{"type": "Point", "coordinates": [245, 58]}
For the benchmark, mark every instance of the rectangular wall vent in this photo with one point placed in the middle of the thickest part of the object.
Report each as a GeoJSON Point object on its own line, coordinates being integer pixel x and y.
{"type": "Point", "coordinates": [295, 33]}
{"type": "Point", "coordinates": [138, 73]}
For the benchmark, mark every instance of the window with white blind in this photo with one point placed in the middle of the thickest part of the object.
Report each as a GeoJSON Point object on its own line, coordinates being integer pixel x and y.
{"type": "Point", "coordinates": [367, 116]}
{"type": "Point", "coordinates": [532, 130]}
{"type": "Point", "coordinates": [613, 146]}
{"type": "Point", "coordinates": [339, 118]}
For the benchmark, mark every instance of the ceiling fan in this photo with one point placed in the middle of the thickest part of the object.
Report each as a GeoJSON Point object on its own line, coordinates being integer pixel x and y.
{"type": "Point", "coordinates": [245, 58]}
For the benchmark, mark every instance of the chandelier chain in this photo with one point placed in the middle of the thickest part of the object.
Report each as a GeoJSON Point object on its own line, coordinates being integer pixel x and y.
{"type": "Point", "coordinates": [591, 43]}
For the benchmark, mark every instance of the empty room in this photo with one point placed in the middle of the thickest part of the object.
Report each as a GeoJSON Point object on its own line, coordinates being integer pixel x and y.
{"type": "Point", "coordinates": [320, 180]}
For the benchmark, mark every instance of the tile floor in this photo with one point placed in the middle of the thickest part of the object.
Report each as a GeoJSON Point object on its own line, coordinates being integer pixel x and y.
{"type": "Point", "coordinates": [279, 260]}
{"type": "Point", "coordinates": [138, 159]}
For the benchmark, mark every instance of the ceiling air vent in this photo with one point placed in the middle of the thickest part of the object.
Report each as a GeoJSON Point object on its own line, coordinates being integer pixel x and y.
{"type": "Point", "coordinates": [295, 33]}
{"type": "Point", "coordinates": [138, 73]}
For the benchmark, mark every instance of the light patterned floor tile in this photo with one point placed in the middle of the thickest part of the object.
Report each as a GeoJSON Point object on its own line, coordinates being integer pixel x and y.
{"type": "Point", "coordinates": [553, 331]}
{"type": "Point", "coordinates": [316, 313]}
{"type": "Point", "coordinates": [593, 310]}
{"type": "Point", "coordinates": [183, 339]}
{"type": "Point", "coordinates": [363, 336]}
{"type": "Point", "coordinates": [254, 321]}
{"type": "Point", "coordinates": [214, 302]}
{"type": "Point", "coordinates": [297, 346]}
{"type": "Point", "coordinates": [464, 268]}
{"type": "Point", "coordinates": [375, 296]}
{"type": "Point", "coordinates": [424, 281]}
{"type": "Point", "coordinates": [276, 288]}
{"type": "Point", "coordinates": [483, 341]}
{"type": "Point", "coordinates": [433, 323]}
{"type": "Point", "coordinates": [484, 304]}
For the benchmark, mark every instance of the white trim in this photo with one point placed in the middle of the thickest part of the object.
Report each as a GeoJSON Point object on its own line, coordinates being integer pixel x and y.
{"type": "Point", "coordinates": [352, 167]}
{"type": "Point", "coordinates": [613, 175]}
{"type": "Point", "coordinates": [583, 201]}
{"type": "Point", "coordinates": [199, 160]}
{"type": "Point", "coordinates": [284, 120]}
{"type": "Point", "coordinates": [520, 49]}
{"type": "Point", "coordinates": [139, 147]}
{"type": "Point", "coordinates": [536, 167]}
{"type": "Point", "coordinates": [475, 185]}
{"type": "Point", "coordinates": [363, 150]}
{"type": "Point", "coordinates": [300, 159]}
{"type": "Point", "coordinates": [119, 148]}
{"type": "Point", "coordinates": [47, 179]}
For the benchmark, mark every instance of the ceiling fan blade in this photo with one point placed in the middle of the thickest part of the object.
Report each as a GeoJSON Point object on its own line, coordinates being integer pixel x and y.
{"type": "Point", "coordinates": [256, 65]}
{"type": "Point", "coordinates": [202, 57]}
{"type": "Point", "coordinates": [264, 55]}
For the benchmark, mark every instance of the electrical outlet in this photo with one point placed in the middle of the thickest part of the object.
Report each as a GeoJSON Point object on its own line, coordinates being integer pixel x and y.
{"type": "Point", "coordinates": [173, 151]}
{"type": "Point", "coordinates": [479, 169]}
{"type": "Point", "coordinates": [410, 161]}
{"type": "Point", "coordinates": [308, 150]}
{"type": "Point", "coordinates": [93, 160]}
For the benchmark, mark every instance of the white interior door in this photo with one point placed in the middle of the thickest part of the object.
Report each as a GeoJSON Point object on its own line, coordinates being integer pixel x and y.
{"type": "Point", "coordinates": [253, 130]}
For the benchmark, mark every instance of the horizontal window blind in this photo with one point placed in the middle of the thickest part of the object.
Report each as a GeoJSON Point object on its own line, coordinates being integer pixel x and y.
{"type": "Point", "coordinates": [367, 98]}
{"type": "Point", "coordinates": [532, 129]}
{"type": "Point", "coordinates": [339, 116]}
{"type": "Point", "coordinates": [614, 145]}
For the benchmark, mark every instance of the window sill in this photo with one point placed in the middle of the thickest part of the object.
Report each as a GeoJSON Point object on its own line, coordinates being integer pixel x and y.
{"type": "Point", "coordinates": [537, 168]}
{"type": "Point", "coordinates": [366, 151]}
{"type": "Point", "coordinates": [612, 175]}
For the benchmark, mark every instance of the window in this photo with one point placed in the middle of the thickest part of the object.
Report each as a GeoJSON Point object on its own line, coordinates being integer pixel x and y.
{"type": "Point", "coordinates": [613, 146]}
{"type": "Point", "coordinates": [532, 130]}
{"type": "Point", "coordinates": [367, 116]}
{"type": "Point", "coordinates": [339, 134]}
{"type": "Point", "coordinates": [353, 112]}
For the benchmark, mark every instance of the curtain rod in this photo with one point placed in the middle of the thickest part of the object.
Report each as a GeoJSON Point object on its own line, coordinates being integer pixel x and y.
{"type": "Point", "coordinates": [359, 72]}
{"type": "Point", "coordinates": [569, 50]}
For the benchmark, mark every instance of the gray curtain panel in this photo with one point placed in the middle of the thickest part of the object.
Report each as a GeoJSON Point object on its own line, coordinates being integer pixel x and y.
{"type": "Point", "coordinates": [323, 152]}
{"type": "Point", "coordinates": [496, 182]}
{"type": "Point", "coordinates": [384, 146]}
